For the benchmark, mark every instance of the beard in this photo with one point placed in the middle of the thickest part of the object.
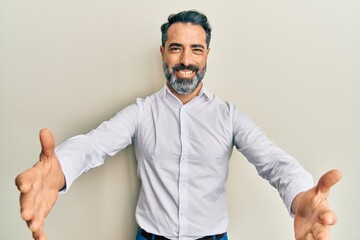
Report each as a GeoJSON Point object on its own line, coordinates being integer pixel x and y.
{"type": "Point", "coordinates": [183, 85]}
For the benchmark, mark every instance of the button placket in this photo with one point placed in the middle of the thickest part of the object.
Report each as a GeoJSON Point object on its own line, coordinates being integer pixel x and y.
{"type": "Point", "coordinates": [183, 175]}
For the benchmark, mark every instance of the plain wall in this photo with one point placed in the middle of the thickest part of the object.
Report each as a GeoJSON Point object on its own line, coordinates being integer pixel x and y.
{"type": "Point", "coordinates": [292, 66]}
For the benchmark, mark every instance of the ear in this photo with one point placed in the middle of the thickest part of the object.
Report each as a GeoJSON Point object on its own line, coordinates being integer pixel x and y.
{"type": "Point", "coordinates": [162, 51]}
{"type": "Point", "coordinates": [207, 52]}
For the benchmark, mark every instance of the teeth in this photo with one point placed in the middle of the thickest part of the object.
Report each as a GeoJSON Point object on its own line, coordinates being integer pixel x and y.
{"type": "Point", "coordinates": [186, 72]}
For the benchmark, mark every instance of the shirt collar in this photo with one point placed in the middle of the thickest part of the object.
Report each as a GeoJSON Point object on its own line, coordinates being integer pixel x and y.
{"type": "Point", "coordinates": [203, 93]}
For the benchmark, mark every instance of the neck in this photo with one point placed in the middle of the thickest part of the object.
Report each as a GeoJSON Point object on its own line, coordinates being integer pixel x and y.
{"type": "Point", "coordinates": [185, 98]}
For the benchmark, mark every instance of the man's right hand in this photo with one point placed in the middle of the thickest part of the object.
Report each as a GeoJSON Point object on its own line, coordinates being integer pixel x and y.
{"type": "Point", "coordinates": [39, 186]}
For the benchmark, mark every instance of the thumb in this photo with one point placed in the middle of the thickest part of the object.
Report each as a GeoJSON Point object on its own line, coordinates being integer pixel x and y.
{"type": "Point", "coordinates": [47, 142]}
{"type": "Point", "coordinates": [328, 180]}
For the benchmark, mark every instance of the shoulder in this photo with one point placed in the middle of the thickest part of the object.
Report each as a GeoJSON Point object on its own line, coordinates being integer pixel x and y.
{"type": "Point", "coordinates": [142, 101]}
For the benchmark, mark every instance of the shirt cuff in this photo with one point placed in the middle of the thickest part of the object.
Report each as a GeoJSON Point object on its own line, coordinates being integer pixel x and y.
{"type": "Point", "coordinates": [293, 190]}
{"type": "Point", "coordinates": [66, 168]}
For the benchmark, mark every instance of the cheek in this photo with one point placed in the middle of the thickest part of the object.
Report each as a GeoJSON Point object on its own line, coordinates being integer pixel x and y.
{"type": "Point", "coordinates": [171, 59]}
{"type": "Point", "coordinates": [201, 61]}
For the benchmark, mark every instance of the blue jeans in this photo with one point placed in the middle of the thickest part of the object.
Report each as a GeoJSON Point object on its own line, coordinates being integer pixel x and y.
{"type": "Point", "coordinates": [140, 237]}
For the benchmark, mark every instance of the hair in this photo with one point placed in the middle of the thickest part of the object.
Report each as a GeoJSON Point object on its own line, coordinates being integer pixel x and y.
{"type": "Point", "coordinates": [191, 16]}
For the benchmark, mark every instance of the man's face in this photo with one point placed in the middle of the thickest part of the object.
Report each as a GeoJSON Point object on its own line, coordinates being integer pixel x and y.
{"type": "Point", "coordinates": [184, 57]}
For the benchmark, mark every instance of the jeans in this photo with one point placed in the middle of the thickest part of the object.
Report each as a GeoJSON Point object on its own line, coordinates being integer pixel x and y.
{"type": "Point", "coordinates": [140, 237]}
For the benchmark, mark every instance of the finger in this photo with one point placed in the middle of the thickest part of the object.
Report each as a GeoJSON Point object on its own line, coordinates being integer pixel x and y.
{"type": "Point", "coordinates": [328, 218]}
{"type": "Point", "coordinates": [47, 143]}
{"type": "Point", "coordinates": [27, 208]}
{"type": "Point", "coordinates": [40, 233]}
{"type": "Point", "coordinates": [328, 180]}
{"type": "Point", "coordinates": [25, 180]}
{"type": "Point", "coordinates": [36, 225]}
{"type": "Point", "coordinates": [309, 236]}
{"type": "Point", "coordinates": [25, 183]}
{"type": "Point", "coordinates": [321, 232]}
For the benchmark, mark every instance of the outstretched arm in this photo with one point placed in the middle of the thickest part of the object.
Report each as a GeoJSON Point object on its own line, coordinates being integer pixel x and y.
{"type": "Point", "coordinates": [39, 186]}
{"type": "Point", "coordinates": [313, 217]}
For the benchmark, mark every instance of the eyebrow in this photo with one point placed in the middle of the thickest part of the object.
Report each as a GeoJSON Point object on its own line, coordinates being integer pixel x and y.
{"type": "Point", "coordinates": [181, 45]}
{"type": "Point", "coordinates": [197, 46]}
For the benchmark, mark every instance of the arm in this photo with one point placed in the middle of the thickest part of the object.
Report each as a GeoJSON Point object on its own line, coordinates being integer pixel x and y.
{"type": "Point", "coordinates": [308, 204]}
{"type": "Point", "coordinates": [272, 163]}
{"type": "Point", "coordinates": [56, 170]}
{"type": "Point", "coordinates": [81, 153]}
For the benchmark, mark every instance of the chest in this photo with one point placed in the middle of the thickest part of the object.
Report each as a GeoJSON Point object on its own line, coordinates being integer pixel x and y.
{"type": "Point", "coordinates": [200, 131]}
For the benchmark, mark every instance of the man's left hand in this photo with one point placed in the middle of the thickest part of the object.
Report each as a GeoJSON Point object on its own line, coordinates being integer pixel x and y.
{"type": "Point", "coordinates": [313, 217]}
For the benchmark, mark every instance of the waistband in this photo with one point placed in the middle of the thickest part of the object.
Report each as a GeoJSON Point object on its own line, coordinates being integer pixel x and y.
{"type": "Point", "coordinates": [150, 236]}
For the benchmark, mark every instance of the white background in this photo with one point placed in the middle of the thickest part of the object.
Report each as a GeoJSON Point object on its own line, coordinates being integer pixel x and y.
{"type": "Point", "coordinates": [292, 66]}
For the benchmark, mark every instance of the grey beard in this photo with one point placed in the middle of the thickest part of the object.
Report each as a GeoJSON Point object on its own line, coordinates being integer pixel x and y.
{"type": "Point", "coordinates": [183, 85]}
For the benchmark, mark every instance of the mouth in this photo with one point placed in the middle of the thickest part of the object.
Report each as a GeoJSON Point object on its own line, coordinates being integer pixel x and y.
{"type": "Point", "coordinates": [185, 73]}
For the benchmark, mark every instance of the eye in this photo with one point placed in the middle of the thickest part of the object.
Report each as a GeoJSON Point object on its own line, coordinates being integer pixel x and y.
{"type": "Point", "coordinates": [175, 49]}
{"type": "Point", "coordinates": [198, 50]}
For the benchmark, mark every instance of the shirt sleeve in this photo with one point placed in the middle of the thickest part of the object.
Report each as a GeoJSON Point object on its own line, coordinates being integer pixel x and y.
{"type": "Point", "coordinates": [272, 163]}
{"type": "Point", "coordinates": [84, 152]}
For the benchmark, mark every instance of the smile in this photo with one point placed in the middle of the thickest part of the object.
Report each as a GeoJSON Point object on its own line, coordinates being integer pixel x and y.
{"type": "Point", "coordinates": [185, 72]}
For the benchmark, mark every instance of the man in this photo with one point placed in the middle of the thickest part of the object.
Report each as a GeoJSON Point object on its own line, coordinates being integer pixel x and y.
{"type": "Point", "coordinates": [183, 137]}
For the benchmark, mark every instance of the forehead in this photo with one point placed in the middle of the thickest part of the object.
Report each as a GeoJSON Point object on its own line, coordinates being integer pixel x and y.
{"type": "Point", "coordinates": [186, 33]}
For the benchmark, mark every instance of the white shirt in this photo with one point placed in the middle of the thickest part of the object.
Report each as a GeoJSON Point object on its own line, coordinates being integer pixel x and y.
{"type": "Point", "coordinates": [183, 153]}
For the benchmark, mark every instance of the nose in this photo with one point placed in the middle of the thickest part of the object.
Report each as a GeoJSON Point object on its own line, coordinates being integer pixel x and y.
{"type": "Point", "coordinates": [186, 58]}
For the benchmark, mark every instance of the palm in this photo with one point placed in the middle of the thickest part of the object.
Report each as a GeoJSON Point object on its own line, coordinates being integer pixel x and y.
{"type": "Point", "coordinates": [313, 217]}
{"type": "Point", "coordinates": [39, 187]}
